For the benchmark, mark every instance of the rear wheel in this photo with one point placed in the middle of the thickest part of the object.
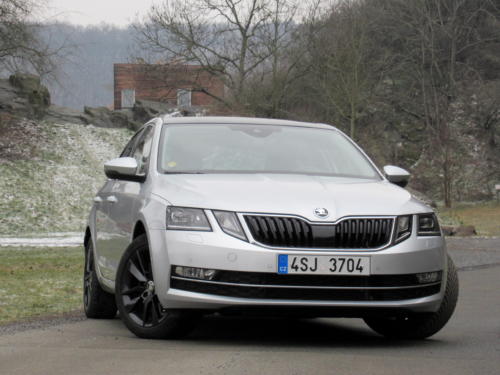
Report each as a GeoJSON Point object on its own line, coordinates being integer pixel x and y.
{"type": "Point", "coordinates": [137, 301]}
{"type": "Point", "coordinates": [97, 303]}
{"type": "Point", "coordinates": [421, 326]}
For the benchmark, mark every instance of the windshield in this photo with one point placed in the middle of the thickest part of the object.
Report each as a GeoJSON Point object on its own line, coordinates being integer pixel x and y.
{"type": "Point", "coordinates": [244, 148]}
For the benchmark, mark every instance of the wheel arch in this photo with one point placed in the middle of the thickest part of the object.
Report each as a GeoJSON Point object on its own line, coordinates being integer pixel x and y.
{"type": "Point", "coordinates": [139, 229]}
{"type": "Point", "coordinates": [152, 217]}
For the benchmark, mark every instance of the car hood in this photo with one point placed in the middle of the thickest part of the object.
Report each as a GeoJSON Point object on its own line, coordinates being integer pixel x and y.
{"type": "Point", "coordinates": [287, 194]}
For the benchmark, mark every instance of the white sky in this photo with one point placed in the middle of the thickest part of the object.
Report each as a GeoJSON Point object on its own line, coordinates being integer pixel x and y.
{"type": "Point", "coordinates": [93, 12]}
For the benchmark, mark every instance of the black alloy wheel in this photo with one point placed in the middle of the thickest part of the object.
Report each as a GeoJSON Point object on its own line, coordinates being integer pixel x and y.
{"type": "Point", "coordinates": [421, 326]}
{"type": "Point", "coordinates": [137, 300]}
{"type": "Point", "coordinates": [137, 291]}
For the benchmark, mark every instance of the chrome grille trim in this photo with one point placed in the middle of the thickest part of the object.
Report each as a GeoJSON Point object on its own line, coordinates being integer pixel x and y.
{"type": "Point", "coordinates": [297, 230]}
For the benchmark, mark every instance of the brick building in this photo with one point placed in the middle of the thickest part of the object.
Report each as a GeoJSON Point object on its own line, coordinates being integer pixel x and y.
{"type": "Point", "coordinates": [180, 85]}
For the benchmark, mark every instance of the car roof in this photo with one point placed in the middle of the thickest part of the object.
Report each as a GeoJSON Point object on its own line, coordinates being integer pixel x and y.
{"type": "Point", "coordinates": [241, 120]}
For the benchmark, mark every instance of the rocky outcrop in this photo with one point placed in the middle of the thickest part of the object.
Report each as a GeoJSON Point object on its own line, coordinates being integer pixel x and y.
{"type": "Point", "coordinates": [132, 118]}
{"type": "Point", "coordinates": [59, 114]}
{"type": "Point", "coordinates": [98, 116]}
{"type": "Point", "coordinates": [465, 231]}
{"type": "Point", "coordinates": [144, 110]}
{"type": "Point", "coordinates": [24, 95]}
{"type": "Point", "coordinates": [448, 230]}
{"type": "Point", "coordinates": [459, 230]}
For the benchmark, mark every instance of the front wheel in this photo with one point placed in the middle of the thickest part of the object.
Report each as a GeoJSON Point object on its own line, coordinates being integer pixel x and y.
{"type": "Point", "coordinates": [137, 301]}
{"type": "Point", "coordinates": [421, 326]}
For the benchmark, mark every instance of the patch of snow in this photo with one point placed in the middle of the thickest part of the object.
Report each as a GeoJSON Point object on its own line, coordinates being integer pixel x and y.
{"type": "Point", "coordinates": [58, 240]}
{"type": "Point", "coordinates": [53, 189]}
{"type": "Point", "coordinates": [45, 235]}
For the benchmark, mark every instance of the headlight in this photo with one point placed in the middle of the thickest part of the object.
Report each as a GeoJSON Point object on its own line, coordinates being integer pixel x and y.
{"type": "Point", "coordinates": [230, 224]}
{"type": "Point", "coordinates": [403, 228]}
{"type": "Point", "coordinates": [428, 225]}
{"type": "Point", "coordinates": [181, 218]}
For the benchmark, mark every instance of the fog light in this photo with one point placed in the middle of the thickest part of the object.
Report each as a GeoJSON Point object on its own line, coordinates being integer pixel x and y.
{"type": "Point", "coordinates": [428, 277]}
{"type": "Point", "coordinates": [195, 273]}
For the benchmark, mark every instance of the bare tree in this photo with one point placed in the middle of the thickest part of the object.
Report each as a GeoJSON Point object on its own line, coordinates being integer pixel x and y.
{"type": "Point", "coordinates": [280, 41]}
{"type": "Point", "coordinates": [346, 66]}
{"type": "Point", "coordinates": [236, 40]}
{"type": "Point", "coordinates": [20, 45]}
{"type": "Point", "coordinates": [435, 40]}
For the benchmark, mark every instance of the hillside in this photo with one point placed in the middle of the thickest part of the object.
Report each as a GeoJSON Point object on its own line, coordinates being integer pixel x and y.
{"type": "Point", "coordinates": [50, 172]}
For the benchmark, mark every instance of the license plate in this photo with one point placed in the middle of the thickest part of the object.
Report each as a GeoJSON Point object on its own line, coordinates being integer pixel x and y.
{"type": "Point", "coordinates": [323, 264]}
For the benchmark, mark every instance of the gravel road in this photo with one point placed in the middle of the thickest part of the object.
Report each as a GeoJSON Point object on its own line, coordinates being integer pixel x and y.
{"type": "Point", "coordinates": [474, 252]}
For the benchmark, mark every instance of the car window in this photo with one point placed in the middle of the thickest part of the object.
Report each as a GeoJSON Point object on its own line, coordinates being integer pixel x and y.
{"type": "Point", "coordinates": [142, 150]}
{"type": "Point", "coordinates": [127, 151]}
{"type": "Point", "coordinates": [245, 148]}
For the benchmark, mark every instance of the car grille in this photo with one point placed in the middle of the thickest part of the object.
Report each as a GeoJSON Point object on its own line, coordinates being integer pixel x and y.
{"type": "Point", "coordinates": [356, 233]}
{"type": "Point", "coordinates": [309, 287]}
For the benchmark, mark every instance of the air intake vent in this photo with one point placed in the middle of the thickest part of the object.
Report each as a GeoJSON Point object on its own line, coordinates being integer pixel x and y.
{"type": "Point", "coordinates": [356, 233]}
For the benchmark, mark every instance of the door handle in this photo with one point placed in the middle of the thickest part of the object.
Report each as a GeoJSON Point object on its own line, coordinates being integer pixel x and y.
{"type": "Point", "coordinates": [97, 199]}
{"type": "Point", "coordinates": [111, 199]}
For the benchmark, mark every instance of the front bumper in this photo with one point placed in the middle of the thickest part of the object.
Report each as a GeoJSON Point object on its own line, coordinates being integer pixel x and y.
{"type": "Point", "coordinates": [217, 250]}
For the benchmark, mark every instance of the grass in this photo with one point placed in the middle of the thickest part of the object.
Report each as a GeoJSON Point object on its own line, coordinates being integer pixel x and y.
{"type": "Point", "coordinates": [39, 281]}
{"type": "Point", "coordinates": [51, 189]}
{"type": "Point", "coordinates": [485, 217]}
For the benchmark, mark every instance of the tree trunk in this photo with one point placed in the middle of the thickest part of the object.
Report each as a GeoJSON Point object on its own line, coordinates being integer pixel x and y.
{"type": "Point", "coordinates": [447, 180]}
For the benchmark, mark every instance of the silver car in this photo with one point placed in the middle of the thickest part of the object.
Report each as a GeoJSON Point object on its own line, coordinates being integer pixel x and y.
{"type": "Point", "coordinates": [230, 215]}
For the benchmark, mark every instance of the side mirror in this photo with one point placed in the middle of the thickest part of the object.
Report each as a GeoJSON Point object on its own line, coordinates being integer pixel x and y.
{"type": "Point", "coordinates": [396, 175]}
{"type": "Point", "coordinates": [122, 169]}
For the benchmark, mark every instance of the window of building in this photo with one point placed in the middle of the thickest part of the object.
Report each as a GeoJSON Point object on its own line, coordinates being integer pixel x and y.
{"type": "Point", "coordinates": [128, 98]}
{"type": "Point", "coordinates": [183, 98]}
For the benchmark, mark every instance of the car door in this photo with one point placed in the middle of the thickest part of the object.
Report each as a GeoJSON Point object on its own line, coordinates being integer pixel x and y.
{"type": "Point", "coordinates": [104, 226]}
{"type": "Point", "coordinates": [125, 201]}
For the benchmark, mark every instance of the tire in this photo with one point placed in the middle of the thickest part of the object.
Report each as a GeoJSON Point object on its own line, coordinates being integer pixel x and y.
{"type": "Point", "coordinates": [421, 326]}
{"type": "Point", "coordinates": [137, 302]}
{"type": "Point", "coordinates": [97, 303]}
